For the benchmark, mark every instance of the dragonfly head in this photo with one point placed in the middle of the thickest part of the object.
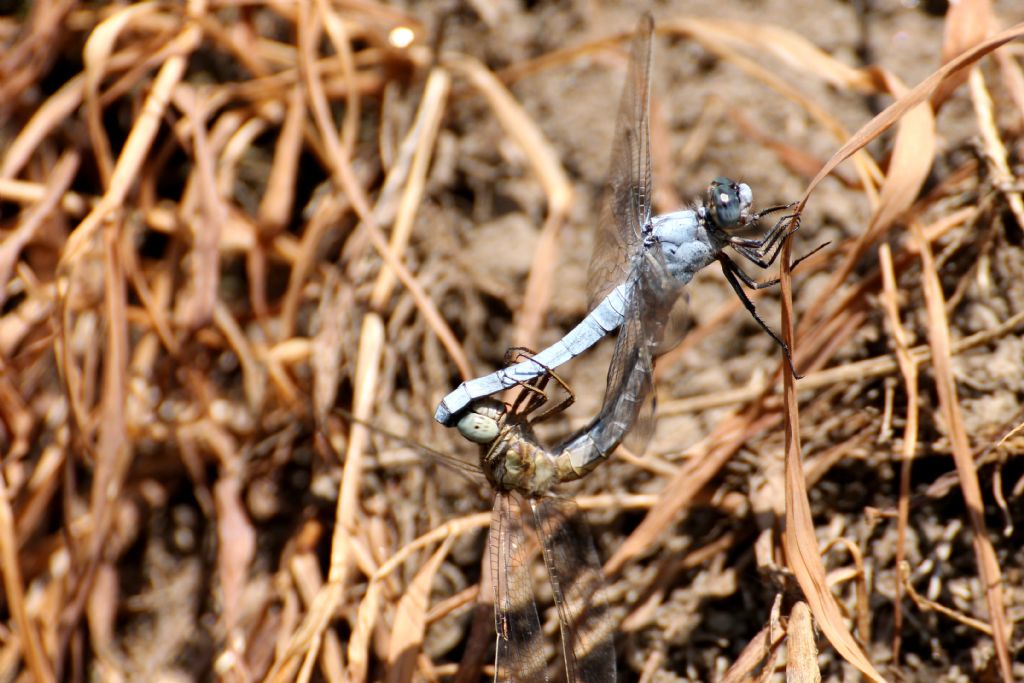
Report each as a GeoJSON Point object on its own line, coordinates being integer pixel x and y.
{"type": "Point", "coordinates": [483, 422]}
{"type": "Point", "coordinates": [728, 202]}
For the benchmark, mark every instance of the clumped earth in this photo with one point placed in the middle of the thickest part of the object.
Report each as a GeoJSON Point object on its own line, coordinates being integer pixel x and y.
{"type": "Point", "coordinates": [194, 204]}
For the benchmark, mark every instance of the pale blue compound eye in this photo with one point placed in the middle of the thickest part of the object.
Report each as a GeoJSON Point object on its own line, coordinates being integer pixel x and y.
{"type": "Point", "coordinates": [478, 428]}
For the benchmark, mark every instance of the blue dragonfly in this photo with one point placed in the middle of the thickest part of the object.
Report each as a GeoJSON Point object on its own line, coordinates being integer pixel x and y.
{"type": "Point", "coordinates": [641, 263]}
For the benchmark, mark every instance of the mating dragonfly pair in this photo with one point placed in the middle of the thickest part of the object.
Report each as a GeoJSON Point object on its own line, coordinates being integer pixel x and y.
{"type": "Point", "coordinates": [640, 265]}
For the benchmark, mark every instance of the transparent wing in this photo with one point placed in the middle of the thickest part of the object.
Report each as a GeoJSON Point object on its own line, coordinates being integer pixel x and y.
{"type": "Point", "coordinates": [519, 656]}
{"type": "Point", "coordinates": [470, 471]}
{"type": "Point", "coordinates": [628, 407]}
{"type": "Point", "coordinates": [577, 583]}
{"type": "Point", "coordinates": [676, 326]}
{"type": "Point", "coordinates": [626, 205]}
{"type": "Point", "coordinates": [467, 470]}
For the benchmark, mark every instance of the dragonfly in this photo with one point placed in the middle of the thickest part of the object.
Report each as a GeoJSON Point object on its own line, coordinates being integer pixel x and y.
{"type": "Point", "coordinates": [641, 263]}
{"type": "Point", "coordinates": [522, 473]}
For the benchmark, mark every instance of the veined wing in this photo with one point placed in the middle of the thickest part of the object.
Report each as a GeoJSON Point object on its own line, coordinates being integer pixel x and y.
{"type": "Point", "coordinates": [577, 583]}
{"type": "Point", "coordinates": [628, 409]}
{"type": "Point", "coordinates": [676, 325]}
{"type": "Point", "coordinates": [626, 205]}
{"type": "Point", "coordinates": [519, 656]}
{"type": "Point", "coordinates": [470, 471]}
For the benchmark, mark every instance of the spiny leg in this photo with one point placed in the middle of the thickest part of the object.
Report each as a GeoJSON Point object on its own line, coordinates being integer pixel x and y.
{"type": "Point", "coordinates": [534, 390]}
{"type": "Point", "coordinates": [765, 241]}
{"type": "Point", "coordinates": [732, 271]}
{"type": "Point", "coordinates": [568, 400]}
{"type": "Point", "coordinates": [753, 284]}
{"type": "Point", "coordinates": [515, 354]}
{"type": "Point", "coordinates": [757, 251]}
{"type": "Point", "coordinates": [773, 209]}
{"type": "Point", "coordinates": [808, 255]}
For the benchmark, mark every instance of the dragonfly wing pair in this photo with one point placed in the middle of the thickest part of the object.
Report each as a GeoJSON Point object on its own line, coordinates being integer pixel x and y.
{"type": "Point", "coordinates": [626, 251]}
{"type": "Point", "coordinates": [519, 656]}
{"type": "Point", "coordinates": [576, 583]}
{"type": "Point", "coordinates": [626, 202]}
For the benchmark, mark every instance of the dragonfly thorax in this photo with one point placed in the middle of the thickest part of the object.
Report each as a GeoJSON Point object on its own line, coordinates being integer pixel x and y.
{"type": "Point", "coordinates": [686, 242]}
{"type": "Point", "coordinates": [510, 456]}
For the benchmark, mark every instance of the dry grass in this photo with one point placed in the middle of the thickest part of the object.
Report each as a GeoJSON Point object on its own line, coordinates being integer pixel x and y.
{"type": "Point", "coordinates": [223, 223]}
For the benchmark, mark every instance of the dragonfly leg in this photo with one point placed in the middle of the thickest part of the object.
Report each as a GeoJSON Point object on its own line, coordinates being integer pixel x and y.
{"type": "Point", "coordinates": [765, 241]}
{"type": "Point", "coordinates": [781, 234]}
{"type": "Point", "coordinates": [514, 354]}
{"type": "Point", "coordinates": [764, 255]}
{"type": "Point", "coordinates": [532, 394]}
{"type": "Point", "coordinates": [734, 274]}
{"type": "Point", "coordinates": [773, 209]}
{"type": "Point", "coordinates": [763, 252]}
{"type": "Point", "coordinates": [750, 282]}
{"type": "Point", "coordinates": [755, 285]}
{"type": "Point", "coordinates": [809, 254]}
{"type": "Point", "coordinates": [570, 398]}
{"type": "Point", "coordinates": [534, 391]}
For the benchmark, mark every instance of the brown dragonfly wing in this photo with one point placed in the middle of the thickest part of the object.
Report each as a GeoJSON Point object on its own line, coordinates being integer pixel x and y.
{"type": "Point", "coordinates": [577, 582]}
{"type": "Point", "coordinates": [519, 655]}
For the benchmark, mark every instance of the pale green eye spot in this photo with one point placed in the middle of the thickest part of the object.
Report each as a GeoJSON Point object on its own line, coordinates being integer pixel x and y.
{"type": "Point", "coordinates": [478, 428]}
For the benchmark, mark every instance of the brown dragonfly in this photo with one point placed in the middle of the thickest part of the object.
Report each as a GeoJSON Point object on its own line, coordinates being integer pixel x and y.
{"type": "Point", "coordinates": [522, 473]}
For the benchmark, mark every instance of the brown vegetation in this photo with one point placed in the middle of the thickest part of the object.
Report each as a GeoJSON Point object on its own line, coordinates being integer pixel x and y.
{"type": "Point", "coordinates": [223, 224]}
